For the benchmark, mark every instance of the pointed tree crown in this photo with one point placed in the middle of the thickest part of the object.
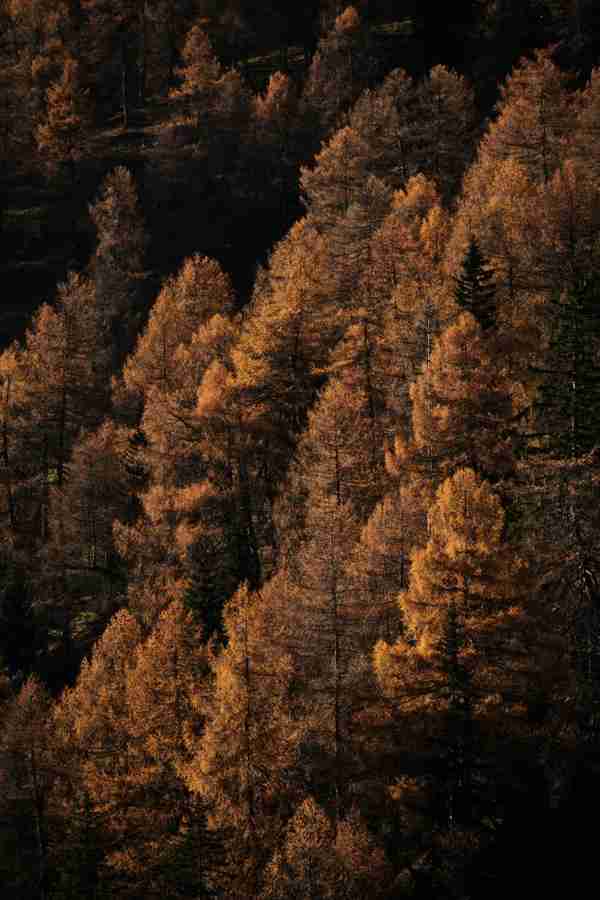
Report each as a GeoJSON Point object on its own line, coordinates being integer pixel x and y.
{"type": "Point", "coordinates": [475, 290]}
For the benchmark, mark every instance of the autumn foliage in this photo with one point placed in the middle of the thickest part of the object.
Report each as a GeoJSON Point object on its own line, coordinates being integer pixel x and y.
{"type": "Point", "coordinates": [309, 565]}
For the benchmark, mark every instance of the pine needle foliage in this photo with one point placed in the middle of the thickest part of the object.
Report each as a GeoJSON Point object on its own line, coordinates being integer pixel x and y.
{"type": "Point", "coordinates": [475, 290]}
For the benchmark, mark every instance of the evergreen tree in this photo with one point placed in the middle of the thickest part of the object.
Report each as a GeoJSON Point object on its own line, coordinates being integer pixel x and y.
{"type": "Point", "coordinates": [459, 738]}
{"type": "Point", "coordinates": [475, 290]}
{"type": "Point", "coordinates": [564, 478]}
{"type": "Point", "coordinates": [569, 397]}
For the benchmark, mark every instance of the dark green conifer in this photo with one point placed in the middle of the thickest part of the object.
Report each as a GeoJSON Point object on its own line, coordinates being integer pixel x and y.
{"type": "Point", "coordinates": [458, 739]}
{"type": "Point", "coordinates": [569, 397]}
{"type": "Point", "coordinates": [475, 290]}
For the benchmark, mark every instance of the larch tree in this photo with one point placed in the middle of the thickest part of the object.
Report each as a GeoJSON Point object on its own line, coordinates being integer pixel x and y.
{"type": "Point", "coordinates": [465, 563]}
{"type": "Point", "coordinates": [233, 115]}
{"type": "Point", "coordinates": [167, 23]}
{"type": "Point", "coordinates": [404, 282]}
{"type": "Point", "coordinates": [274, 149]}
{"type": "Point", "coordinates": [63, 135]}
{"type": "Point", "coordinates": [463, 404]}
{"type": "Point", "coordinates": [183, 494]}
{"type": "Point", "coordinates": [538, 239]}
{"type": "Point", "coordinates": [535, 119]}
{"type": "Point", "coordinates": [199, 77]}
{"type": "Point", "coordinates": [65, 388]}
{"type": "Point", "coordinates": [383, 119]}
{"type": "Point", "coordinates": [338, 176]}
{"type": "Point", "coordinates": [586, 134]}
{"type": "Point", "coordinates": [155, 575]}
{"type": "Point", "coordinates": [339, 459]}
{"type": "Point", "coordinates": [395, 293]}
{"type": "Point", "coordinates": [337, 72]}
{"type": "Point", "coordinates": [199, 72]}
{"type": "Point", "coordinates": [187, 300]}
{"type": "Point", "coordinates": [317, 862]}
{"type": "Point", "coordinates": [358, 366]}
{"type": "Point", "coordinates": [504, 204]}
{"type": "Point", "coordinates": [14, 477]}
{"type": "Point", "coordinates": [285, 340]}
{"type": "Point", "coordinates": [275, 114]}
{"type": "Point", "coordinates": [349, 240]}
{"type": "Point", "coordinates": [27, 775]}
{"type": "Point", "coordinates": [323, 623]}
{"type": "Point", "coordinates": [505, 211]}
{"type": "Point", "coordinates": [492, 209]}
{"type": "Point", "coordinates": [189, 332]}
{"type": "Point", "coordinates": [477, 654]}
{"type": "Point", "coordinates": [187, 461]}
{"type": "Point", "coordinates": [225, 516]}
{"type": "Point", "coordinates": [569, 211]}
{"type": "Point", "coordinates": [242, 764]}
{"type": "Point", "coordinates": [407, 281]}
{"type": "Point", "coordinates": [172, 453]}
{"type": "Point", "coordinates": [444, 122]}
{"type": "Point", "coordinates": [118, 260]}
{"type": "Point", "coordinates": [35, 53]}
{"type": "Point", "coordinates": [380, 562]}
{"type": "Point", "coordinates": [90, 724]}
{"type": "Point", "coordinates": [399, 232]}
{"type": "Point", "coordinates": [163, 845]}
{"type": "Point", "coordinates": [97, 491]}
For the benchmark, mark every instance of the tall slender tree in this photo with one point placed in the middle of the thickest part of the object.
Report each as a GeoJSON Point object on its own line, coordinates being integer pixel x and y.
{"type": "Point", "coordinates": [27, 774]}
{"type": "Point", "coordinates": [242, 765]}
{"type": "Point", "coordinates": [475, 290]}
{"type": "Point", "coordinates": [118, 261]}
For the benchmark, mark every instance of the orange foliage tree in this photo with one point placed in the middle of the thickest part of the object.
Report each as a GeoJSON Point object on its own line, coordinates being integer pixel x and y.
{"type": "Point", "coordinates": [119, 260]}
{"type": "Point", "coordinates": [478, 653]}
{"type": "Point", "coordinates": [463, 403]}
{"type": "Point", "coordinates": [242, 765]}
{"type": "Point", "coordinates": [318, 859]}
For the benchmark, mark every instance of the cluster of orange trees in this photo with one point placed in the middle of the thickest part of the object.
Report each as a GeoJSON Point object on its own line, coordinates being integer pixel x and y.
{"type": "Point", "coordinates": [345, 540]}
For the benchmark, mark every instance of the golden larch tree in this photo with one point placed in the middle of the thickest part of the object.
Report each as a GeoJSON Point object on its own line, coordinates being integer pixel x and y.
{"type": "Point", "coordinates": [463, 403]}
{"type": "Point", "coordinates": [118, 261]}
{"type": "Point", "coordinates": [241, 766]}
{"type": "Point", "coordinates": [317, 861]}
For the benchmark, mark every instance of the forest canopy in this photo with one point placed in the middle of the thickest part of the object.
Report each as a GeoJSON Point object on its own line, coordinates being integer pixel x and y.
{"type": "Point", "coordinates": [299, 449]}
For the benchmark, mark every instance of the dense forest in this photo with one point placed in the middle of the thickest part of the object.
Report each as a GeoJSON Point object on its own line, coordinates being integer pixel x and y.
{"type": "Point", "coordinates": [299, 449]}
